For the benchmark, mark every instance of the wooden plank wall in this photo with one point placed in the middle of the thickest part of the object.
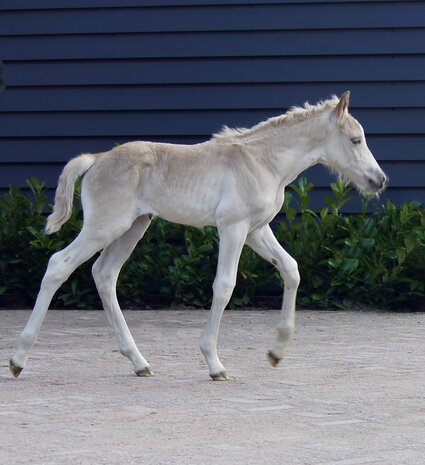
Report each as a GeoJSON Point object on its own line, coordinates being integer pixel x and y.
{"type": "Point", "coordinates": [85, 74]}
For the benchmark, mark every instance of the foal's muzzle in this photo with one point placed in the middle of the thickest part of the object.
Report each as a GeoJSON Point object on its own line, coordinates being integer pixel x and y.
{"type": "Point", "coordinates": [378, 182]}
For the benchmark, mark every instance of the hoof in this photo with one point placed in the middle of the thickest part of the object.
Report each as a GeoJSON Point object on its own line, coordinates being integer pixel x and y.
{"type": "Point", "coordinates": [144, 372]}
{"type": "Point", "coordinates": [15, 370]}
{"type": "Point", "coordinates": [222, 376]}
{"type": "Point", "coordinates": [273, 359]}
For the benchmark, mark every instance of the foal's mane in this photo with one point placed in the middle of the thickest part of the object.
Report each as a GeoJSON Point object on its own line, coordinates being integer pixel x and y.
{"type": "Point", "coordinates": [293, 114]}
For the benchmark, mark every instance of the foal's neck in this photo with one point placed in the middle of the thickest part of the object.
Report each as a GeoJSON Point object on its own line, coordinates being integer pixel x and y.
{"type": "Point", "coordinates": [291, 148]}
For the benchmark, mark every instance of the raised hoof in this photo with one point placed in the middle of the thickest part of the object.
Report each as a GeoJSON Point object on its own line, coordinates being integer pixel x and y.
{"type": "Point", "coordinates": [144, 372]}
{"type": "Point", "coordinates": [222, 376]}
{"type": "Point", "coordinates": [273, 359]}
{"type": "Point", "coordinates": [15, 370]}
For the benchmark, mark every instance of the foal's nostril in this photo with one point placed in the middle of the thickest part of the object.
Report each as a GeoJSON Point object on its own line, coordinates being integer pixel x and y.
{"type": "Point", "coordinates": [382, 181]}
{"type": "Point", "coordinates": [378, 183]}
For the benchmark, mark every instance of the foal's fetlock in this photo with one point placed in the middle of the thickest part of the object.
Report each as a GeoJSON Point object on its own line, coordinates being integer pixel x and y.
{"type": "Point", "coordinates": [285, 333]}
{"type": "Point", "coordinates": [217, 370]}
{"type": "Point", "coordinates": [281, 345]}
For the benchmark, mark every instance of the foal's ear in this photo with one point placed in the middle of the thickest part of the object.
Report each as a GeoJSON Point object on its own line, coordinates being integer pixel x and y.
{"type": "Point", "coordinates": [341, 110]}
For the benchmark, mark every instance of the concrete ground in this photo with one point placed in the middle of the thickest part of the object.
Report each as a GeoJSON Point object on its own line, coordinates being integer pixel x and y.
{"type": "Point", "coordinates": [350, 391]}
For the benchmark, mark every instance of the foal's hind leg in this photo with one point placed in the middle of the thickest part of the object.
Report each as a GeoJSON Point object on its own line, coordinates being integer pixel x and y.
{"type": "Point", "coordinates": [60, 267]}
{"type": "Point", "coordinates": [105, 273]}
{"type": "Point", "coordinates": [266, 245]}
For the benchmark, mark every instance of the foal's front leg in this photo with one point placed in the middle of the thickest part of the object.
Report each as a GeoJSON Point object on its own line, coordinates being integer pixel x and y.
{"type": "Point", "coordinates": [263, 242]}
{"type": "Point", "coordinates": [232, 239]}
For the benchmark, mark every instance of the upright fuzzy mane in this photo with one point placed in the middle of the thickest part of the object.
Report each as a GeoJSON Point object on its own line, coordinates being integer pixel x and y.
{"type": "Point", "coordinates": [293, 114]}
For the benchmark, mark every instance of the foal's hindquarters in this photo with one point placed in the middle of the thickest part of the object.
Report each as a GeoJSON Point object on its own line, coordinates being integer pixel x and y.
{"type": "Point", "coordinates": [109, 198]}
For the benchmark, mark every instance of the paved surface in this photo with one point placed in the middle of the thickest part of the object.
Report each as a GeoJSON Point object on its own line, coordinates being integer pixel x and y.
{"type": "Point", "coordinates": [350, 392]}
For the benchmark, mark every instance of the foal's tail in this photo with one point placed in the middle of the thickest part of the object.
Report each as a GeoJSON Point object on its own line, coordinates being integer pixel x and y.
{"type": "Point", "coordinates": [65, 191]}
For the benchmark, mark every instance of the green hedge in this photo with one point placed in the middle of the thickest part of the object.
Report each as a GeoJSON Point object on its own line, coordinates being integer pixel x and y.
{"type": "Point", "coordinates": [367, 259]}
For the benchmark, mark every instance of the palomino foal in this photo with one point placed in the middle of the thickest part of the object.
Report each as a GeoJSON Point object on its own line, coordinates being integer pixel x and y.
{"type": "Point", "coordinates": [234, 181]}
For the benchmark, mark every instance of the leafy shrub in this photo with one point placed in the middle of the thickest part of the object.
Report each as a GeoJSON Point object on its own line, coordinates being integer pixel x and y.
{"type": "Point", "coordinates": [367, 259]}
{"type": "Point", "coordinates": [25, 249]}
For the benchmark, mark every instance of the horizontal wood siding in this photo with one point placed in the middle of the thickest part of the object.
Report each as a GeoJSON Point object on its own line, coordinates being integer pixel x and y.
{"type": "Point", "coordinates": [84, 75]}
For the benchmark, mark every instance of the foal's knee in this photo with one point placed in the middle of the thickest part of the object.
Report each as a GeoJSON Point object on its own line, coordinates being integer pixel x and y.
{"type": "Point", "coordinates": [223, 289]}
{"type": "Point", "coordinates": [292, 278]}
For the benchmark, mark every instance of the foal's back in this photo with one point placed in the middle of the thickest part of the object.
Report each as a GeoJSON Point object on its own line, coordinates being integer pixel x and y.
{"type": "Point", "coordinates": [180, 183]}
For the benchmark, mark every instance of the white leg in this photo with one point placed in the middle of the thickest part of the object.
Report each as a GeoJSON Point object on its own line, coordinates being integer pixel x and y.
{"type": "Point", "coordinates": [105, 273]}
{"type": "Point", "coordinates": [232, 239]}
{"type": "Point", "coordinates": [60, 267]}
{"type": "Point", "coordinates": [263, 242]}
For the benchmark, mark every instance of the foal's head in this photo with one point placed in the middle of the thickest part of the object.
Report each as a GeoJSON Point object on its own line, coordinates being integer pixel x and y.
{"type": "Point", "coordinates": [346, 150]}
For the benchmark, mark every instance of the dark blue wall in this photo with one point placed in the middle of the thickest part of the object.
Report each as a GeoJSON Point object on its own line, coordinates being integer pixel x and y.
{"type": "Point", "coordinates": [85, 74]}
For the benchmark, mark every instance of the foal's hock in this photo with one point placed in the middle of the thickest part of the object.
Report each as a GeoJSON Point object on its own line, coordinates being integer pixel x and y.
{"type": "Point", "coordinates": [235, 181]}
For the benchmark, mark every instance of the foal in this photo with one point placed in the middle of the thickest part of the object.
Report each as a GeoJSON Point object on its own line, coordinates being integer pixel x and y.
{"type": "Point", "coordinates": [234, 181]}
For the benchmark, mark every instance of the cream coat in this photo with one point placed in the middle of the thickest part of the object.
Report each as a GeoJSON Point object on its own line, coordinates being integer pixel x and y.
{"type": "Point", "coordinates": [234, 181]}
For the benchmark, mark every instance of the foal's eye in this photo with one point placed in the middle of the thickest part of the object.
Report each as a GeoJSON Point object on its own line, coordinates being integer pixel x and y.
{"type": "Point", "coordinates": [356, 140]}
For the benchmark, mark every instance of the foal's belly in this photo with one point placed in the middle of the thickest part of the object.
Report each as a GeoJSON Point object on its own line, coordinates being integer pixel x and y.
{"type": "Point", "coordinates": [187, 216]}
{"type": "Point", "coordinates": [196, 209]}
